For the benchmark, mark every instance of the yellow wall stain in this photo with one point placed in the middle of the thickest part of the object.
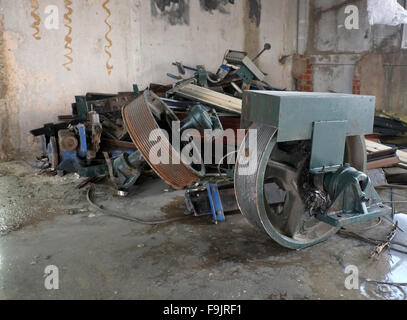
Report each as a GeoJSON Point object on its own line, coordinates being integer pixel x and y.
{"type": "Point", "coordinates": [68, 39]}
{"type": "Point", "coordinates": [109, 67]}
{"type": "Point", "coordinates": [34, 13]}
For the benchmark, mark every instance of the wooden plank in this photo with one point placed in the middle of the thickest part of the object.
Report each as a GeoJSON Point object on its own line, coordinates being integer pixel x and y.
{"type": "Point", "coordinates": [210, 97]}
{"type": "Point", "coordinates": [396, 175]}
{"type": "Point", "coordinates": [385, 163]}
{"type": "Point", "coordinates": [402, 165]}
{"type": "Point", "coordinates": [402, 155]}
{"type": "Point", "coordinates": [374, 156]}
{"type": "Point", "coordinates": [373, 147]}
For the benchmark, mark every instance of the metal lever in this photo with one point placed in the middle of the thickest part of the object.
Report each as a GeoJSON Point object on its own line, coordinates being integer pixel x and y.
{"type": "Point", "coordinates": [267, 47]}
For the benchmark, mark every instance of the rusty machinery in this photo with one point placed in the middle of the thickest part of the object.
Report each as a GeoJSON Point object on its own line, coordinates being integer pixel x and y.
{"type": "Point", "coordinates": [147, 117]}
{"type": "Point", "coordinates": [300, 172]}
{"type": "Point", "coordinates": [307, 148]}
{"type": "Point", "coordinates": [312, 147]}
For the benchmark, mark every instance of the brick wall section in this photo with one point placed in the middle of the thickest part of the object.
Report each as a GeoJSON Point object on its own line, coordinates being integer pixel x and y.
{"type": "Point", "coordinates": [356, 85]}
{"type": "Point", "coordinates": [356, 82]}
{"type": "Point", "coordinates": [305, 81]}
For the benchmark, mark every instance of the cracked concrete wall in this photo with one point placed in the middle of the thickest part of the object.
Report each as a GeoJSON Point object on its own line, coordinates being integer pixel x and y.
{"type": "Point", "coordinates": [40, 75]}
{"type": "Point", "coordinates": [337, 53]}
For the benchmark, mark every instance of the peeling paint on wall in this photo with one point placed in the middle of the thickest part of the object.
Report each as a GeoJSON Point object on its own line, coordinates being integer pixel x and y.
{"type": "Point", "coordinates": [29, 97]}
{"type": "Point", "coordinates": [4, 116]}
{"type": "Point", "coordinates": [176, 12]}
{"type": "Point", "coordinates": [68, 39]}
{"type": "Point", "coordinates": [7, 148]}
{"type": "Point", "coordinates": [255, 11]}
{"type": "Point", "coordinates": [372, 80]}
{"type": "Point", "coordinates": [251, 36]}
{"type": "Point", "coordinates": [109, 67]}
{"type": "Point", "coordinates": [34, 13]}
{"type": "Point", "coordinates": [3, 65]}
{"type": "Point", "coordinates": [220, 5]}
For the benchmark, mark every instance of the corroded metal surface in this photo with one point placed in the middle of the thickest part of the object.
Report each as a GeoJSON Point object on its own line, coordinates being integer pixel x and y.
{"type": "Point", "coordinates": [69, 143]}
{"type": "Point", "coordinates": [145, 132]}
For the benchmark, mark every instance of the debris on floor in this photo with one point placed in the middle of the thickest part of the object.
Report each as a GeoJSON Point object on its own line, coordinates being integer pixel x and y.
{"type": "Point", "coordinates": [103, 137]}
{"type": "Point", "coordinates": [109, 137]}
{"type": "Point", "coordinates": [396, 175]}
{"type": "Point", "coordinates": [391, 157]}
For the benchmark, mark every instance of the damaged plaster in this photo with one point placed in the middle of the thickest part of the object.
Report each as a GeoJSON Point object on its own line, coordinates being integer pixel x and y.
{"type": "Point", "coordinates": [176, 12]}
{"type": "Point", "coordinates": [371, 79]}
{"type": "Point", "coordinates": [7, 115]}
{"type": "Point", "coordinates": [5, 141]}
{"type": "Point", "coordinates": [255, 11]}
{"type": "Point", "coordinates": [253, 8]}
{"type": "Point", "coordinates": [252, 40]}
{"type": "Point", "coordinates": [341, 55]}
{"type": "Point", "coordinates": [38, 89]}
{"type": "Point", "coordinates": [220, 5]}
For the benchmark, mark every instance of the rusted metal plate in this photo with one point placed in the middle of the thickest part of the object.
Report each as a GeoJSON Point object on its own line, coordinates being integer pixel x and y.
{"type": "Point", "coordinates": [114, 145]}
{"type": "Point", "coordinates": [144, 131]}
{"type": "Point", "coordinates": [112, 104]}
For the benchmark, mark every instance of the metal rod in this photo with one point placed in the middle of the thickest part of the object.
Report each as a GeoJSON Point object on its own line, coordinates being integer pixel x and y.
{"type": "Point", "coordinates": [267, 47]}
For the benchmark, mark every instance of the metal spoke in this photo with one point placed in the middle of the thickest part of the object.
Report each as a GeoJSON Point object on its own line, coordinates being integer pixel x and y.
{"type": "Point", "coordinates": [284, 220]}
{"type": "Point", "coordinates": [294, 210]}
{"type": "Point", "coordinates": [281, 171]}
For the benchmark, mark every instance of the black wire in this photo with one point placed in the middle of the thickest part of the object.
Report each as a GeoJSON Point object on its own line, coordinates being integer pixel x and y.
{"type": "Point", "coordinates": [90, 195]}
{"type": "Point", "coordinates": [371, 241]}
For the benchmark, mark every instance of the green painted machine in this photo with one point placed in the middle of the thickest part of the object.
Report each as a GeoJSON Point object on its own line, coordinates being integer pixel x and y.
{"type": "Point", "coordinates": [312, 146]}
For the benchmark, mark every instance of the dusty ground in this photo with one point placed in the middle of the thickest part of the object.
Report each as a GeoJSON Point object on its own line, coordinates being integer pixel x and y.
{"type": "Point", "coordinates": [46, 221]}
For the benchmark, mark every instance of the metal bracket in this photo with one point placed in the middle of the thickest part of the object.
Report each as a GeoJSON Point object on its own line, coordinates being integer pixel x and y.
{"type": "Point", "coordinates": [136, 90]}
{"type": "Point", "coordinates": [83, 149]}
{"type": "Point", "coordinates": [328, 146]}
{"type": "Point", "coordinates": [215, 203]}
{"type": "Point", "coordinates": [82, 108]}
{"type": "Point", "coordinates": [353, 197]}
{"type": "Point", "coordinates": [342, 220]}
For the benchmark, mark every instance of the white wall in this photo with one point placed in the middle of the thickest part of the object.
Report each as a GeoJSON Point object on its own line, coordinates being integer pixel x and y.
{"type": "Point", "coordinates": [38, 87]}
{"type": "Point", "coordinates": [336, 51]}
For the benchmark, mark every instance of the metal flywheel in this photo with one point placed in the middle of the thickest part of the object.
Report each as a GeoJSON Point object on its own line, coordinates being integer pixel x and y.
{"type": "Point", "coordinates": [290, 221]}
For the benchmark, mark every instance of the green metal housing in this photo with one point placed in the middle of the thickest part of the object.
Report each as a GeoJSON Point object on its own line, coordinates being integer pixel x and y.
{"type": "Point", "coordinates": [294, 113]}
{"type": "Point", "coordinates": [325, 118]}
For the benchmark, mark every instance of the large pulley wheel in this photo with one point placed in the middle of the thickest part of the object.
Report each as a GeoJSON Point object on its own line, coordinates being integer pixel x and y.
{"type": "Point", "coordinates": [289, 221]}
{"type": "Point", "coordinates": [148, 120]}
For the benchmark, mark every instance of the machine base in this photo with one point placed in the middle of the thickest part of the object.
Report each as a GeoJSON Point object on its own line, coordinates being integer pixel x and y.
{"type": "Point", "coordinates": [345, 219]}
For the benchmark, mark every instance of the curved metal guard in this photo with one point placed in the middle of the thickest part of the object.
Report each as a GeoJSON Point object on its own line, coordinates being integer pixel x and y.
{"type": "Point", "coordinates": [143, 129]}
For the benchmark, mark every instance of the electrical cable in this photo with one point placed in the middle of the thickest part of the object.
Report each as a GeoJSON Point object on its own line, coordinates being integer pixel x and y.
{"type": "Point", "coordinates": [371, 241]}
{"type": "Point", "coordinates": [388, 283]}
{"type": "Point", "coordinates": [394, 202]}
{"type": "Point", "coordinates": [221, 161]}
{"type": "Point", "coordinates": [389, 186]}
{"type": "Point", "coordinates": [90, 195]}
{"type": "Point", "coordinates": [372, 227]}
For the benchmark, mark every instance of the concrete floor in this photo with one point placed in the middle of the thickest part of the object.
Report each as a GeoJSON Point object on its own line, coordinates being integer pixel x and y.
{"type": "Point", "coordinates": [45, 221]}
